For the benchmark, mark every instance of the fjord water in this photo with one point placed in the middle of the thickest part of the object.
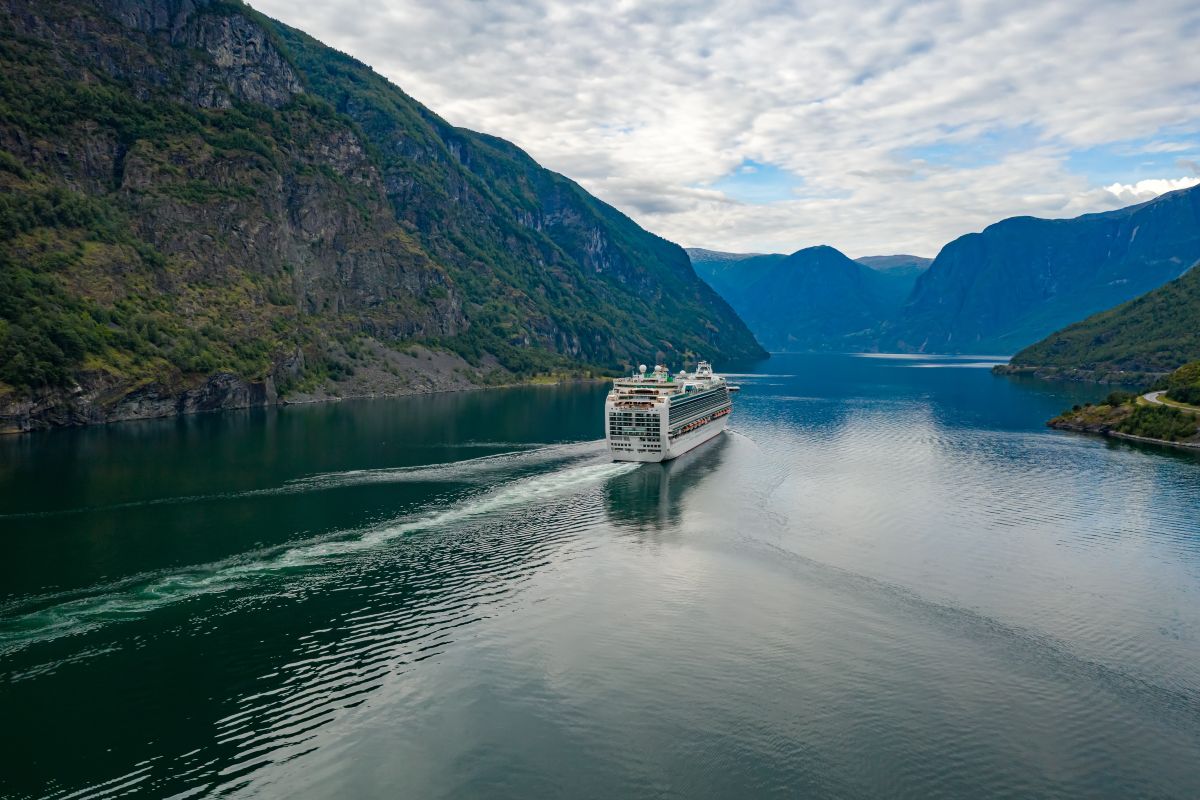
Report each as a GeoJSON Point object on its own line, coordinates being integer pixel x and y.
{"type": "Point", "coordinates": [888, 579]}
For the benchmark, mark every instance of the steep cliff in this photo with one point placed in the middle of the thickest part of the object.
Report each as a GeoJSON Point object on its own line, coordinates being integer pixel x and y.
{"type": "Point", "coordinates": [203, 208]}
{"type": "Point", "coordinates": [1022, 278]}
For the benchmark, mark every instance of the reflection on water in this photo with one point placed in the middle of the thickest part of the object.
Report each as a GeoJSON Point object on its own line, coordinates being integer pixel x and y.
{"type": "Point", "coordinates": [883, 580]}
{"type": "Point", "coordinates": [653, 497]}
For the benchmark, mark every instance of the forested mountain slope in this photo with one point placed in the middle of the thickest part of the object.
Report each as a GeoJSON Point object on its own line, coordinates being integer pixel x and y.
{"type": "Point", "coordinates": [1151, 335]}
{"type": "Point", "coordinates": [202, 207]}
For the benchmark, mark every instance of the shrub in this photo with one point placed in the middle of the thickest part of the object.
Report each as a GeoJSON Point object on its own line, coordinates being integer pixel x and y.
{"type": "Point", "coordinates": [1183, 385]}
{"type": "Point", "coordinates": [1159, 422]}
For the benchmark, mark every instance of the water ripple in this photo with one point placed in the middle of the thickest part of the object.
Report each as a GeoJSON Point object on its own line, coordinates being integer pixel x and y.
{"type": "Point", "coordinates": [133, 599]}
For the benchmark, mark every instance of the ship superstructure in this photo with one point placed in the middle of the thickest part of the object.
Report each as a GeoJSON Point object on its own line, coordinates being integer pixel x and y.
{"type": "Point", "coordinates": [656, 416]}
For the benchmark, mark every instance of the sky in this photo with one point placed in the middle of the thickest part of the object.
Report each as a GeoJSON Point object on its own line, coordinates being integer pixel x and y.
{"type": "Point", "coordinates": [764, 126]}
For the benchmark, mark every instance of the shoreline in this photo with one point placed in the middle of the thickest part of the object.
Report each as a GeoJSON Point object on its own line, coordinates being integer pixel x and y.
{"type": "Point", "coordinates": [1111, 434]}
{"type": "Point", "coordinates": [387, 395]}
{"type": "Point", "coordinates": [1133, 438]}
{"type": "Point", "coordinates": [283, 403]}
{"type": "Point", "coordinates": [1101, 377]}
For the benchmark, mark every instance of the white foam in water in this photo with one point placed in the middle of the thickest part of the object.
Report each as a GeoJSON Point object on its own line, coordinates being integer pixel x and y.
{"type": "Point", "coordinates": [136, 600]}
{"type": "Point", "coordinates": [451, 471]}
{"type": "Point", "coordinates": [518, 494]}
{"type": "Point", "coordinates": [455, 470]}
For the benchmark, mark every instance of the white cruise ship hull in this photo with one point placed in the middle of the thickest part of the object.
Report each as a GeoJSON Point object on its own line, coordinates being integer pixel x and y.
{"type": "Point", "coordinates": [683, 444]}
{"type": "Point", "coordinates": [660, 416]}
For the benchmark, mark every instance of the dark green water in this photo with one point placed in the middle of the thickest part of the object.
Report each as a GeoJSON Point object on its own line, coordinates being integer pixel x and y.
{"type": "Point", "coordinates": [887, 580]}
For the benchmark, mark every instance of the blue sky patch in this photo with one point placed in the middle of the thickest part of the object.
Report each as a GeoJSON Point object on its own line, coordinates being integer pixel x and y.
{"type": "Point", "coordinates": [757, 183]}
{"type": "Point", "coordinates": [984, 150]}
{"type": "Point", "coordinates": [1163, 156]}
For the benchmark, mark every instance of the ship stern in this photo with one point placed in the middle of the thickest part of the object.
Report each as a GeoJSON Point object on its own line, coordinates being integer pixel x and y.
{"type": "Point", "coordinates": [635, 434]}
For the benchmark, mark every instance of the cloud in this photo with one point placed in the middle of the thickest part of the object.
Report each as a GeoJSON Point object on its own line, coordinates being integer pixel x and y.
{"type": "Point", "coordinates": [1188, 164]}
{"type": "Point", "coordinates": [1165, 147]}
{"type": "Point", "coordinates": [646, 104]}
{"type": "Point", "coordinates": [1141, 191]}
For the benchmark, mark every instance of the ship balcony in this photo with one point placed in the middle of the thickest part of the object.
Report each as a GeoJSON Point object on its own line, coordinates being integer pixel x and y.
{"type": "Point", "coordinates": [636, 405]}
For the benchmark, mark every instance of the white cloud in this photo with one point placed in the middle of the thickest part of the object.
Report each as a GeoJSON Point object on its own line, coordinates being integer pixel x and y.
{"type": "Point", "coordinates": [1129, 193]}
{"type": "Point", "coordinates": [1164, 147]}
{"type": "Point", "coordinates": [641, 102]}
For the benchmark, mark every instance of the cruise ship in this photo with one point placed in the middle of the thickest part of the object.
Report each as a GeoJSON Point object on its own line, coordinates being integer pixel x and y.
{"type": "Point", "coordinates": [656, 416]}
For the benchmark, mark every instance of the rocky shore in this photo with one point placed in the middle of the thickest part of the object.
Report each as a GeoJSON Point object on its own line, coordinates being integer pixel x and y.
{"type": "Point", "coordinates": [1132, 421]}
{"type": "Point", "coordinates": [99, 397]}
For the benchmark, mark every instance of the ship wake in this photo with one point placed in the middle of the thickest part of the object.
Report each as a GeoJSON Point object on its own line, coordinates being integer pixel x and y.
{"type": "Point", "coordinates": [49, 617]}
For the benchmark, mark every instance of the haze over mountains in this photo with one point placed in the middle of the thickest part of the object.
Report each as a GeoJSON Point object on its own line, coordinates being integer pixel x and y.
{"type": "Point", "coordinates": [901, 264]}
{"type": "Point", "coordinates": [813, 299]}
{"type": "Point", "coordinates": [990, 292]}
{"type": "Point", "coordinates": [203, 207]}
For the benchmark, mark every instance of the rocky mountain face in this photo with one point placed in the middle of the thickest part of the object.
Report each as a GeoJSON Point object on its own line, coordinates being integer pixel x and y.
{"type": "Point", "coordinates": [813, 299]}
{"type": "Point", "coordinates": [1134, 342]}
{"type": "Point", "coordinates": [203, 208]}
{"type": "Point", "coordinates": [1022, 278]}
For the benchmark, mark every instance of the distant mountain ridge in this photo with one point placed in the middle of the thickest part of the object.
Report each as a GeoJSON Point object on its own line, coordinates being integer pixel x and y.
{"type": "Point", "coordinates": [995, 291]}
{"type": "Point", "coordinates": [204, 208]}
{"type": "Point", "coordinates": [901, 262]}
{"type": "Point", "coordinates": [1023, 278]}
{"type": "Point", "coordinates": [1146, 337]}
{"type": "Point", "coordinates": [701, 254]}
{"type": "Point", "coordinates": [904, 263]}
{"type": "Point", "coordinates": [814, 299]}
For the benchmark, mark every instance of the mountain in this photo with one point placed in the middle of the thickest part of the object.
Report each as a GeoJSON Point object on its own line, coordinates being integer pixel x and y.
{"type": "Point", "coordinates": [894, 279]}
{"type": "Point", "coordinates": [700, 254]}
{"type": "Point", "coordinates": [1023, 278]}
{"type": "Point", "coordinates": [893, 265]}
{"type": "Point", "coordinates": [1152, 335]}
{"type": "Point", "coordinates": [204, 208]}
{"type": "Point", "coordinates": [730, 273]}
{"type": "Point", "coordinates": [813, 299]}
{"type": "Point", "coordinates": [904, 264]}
